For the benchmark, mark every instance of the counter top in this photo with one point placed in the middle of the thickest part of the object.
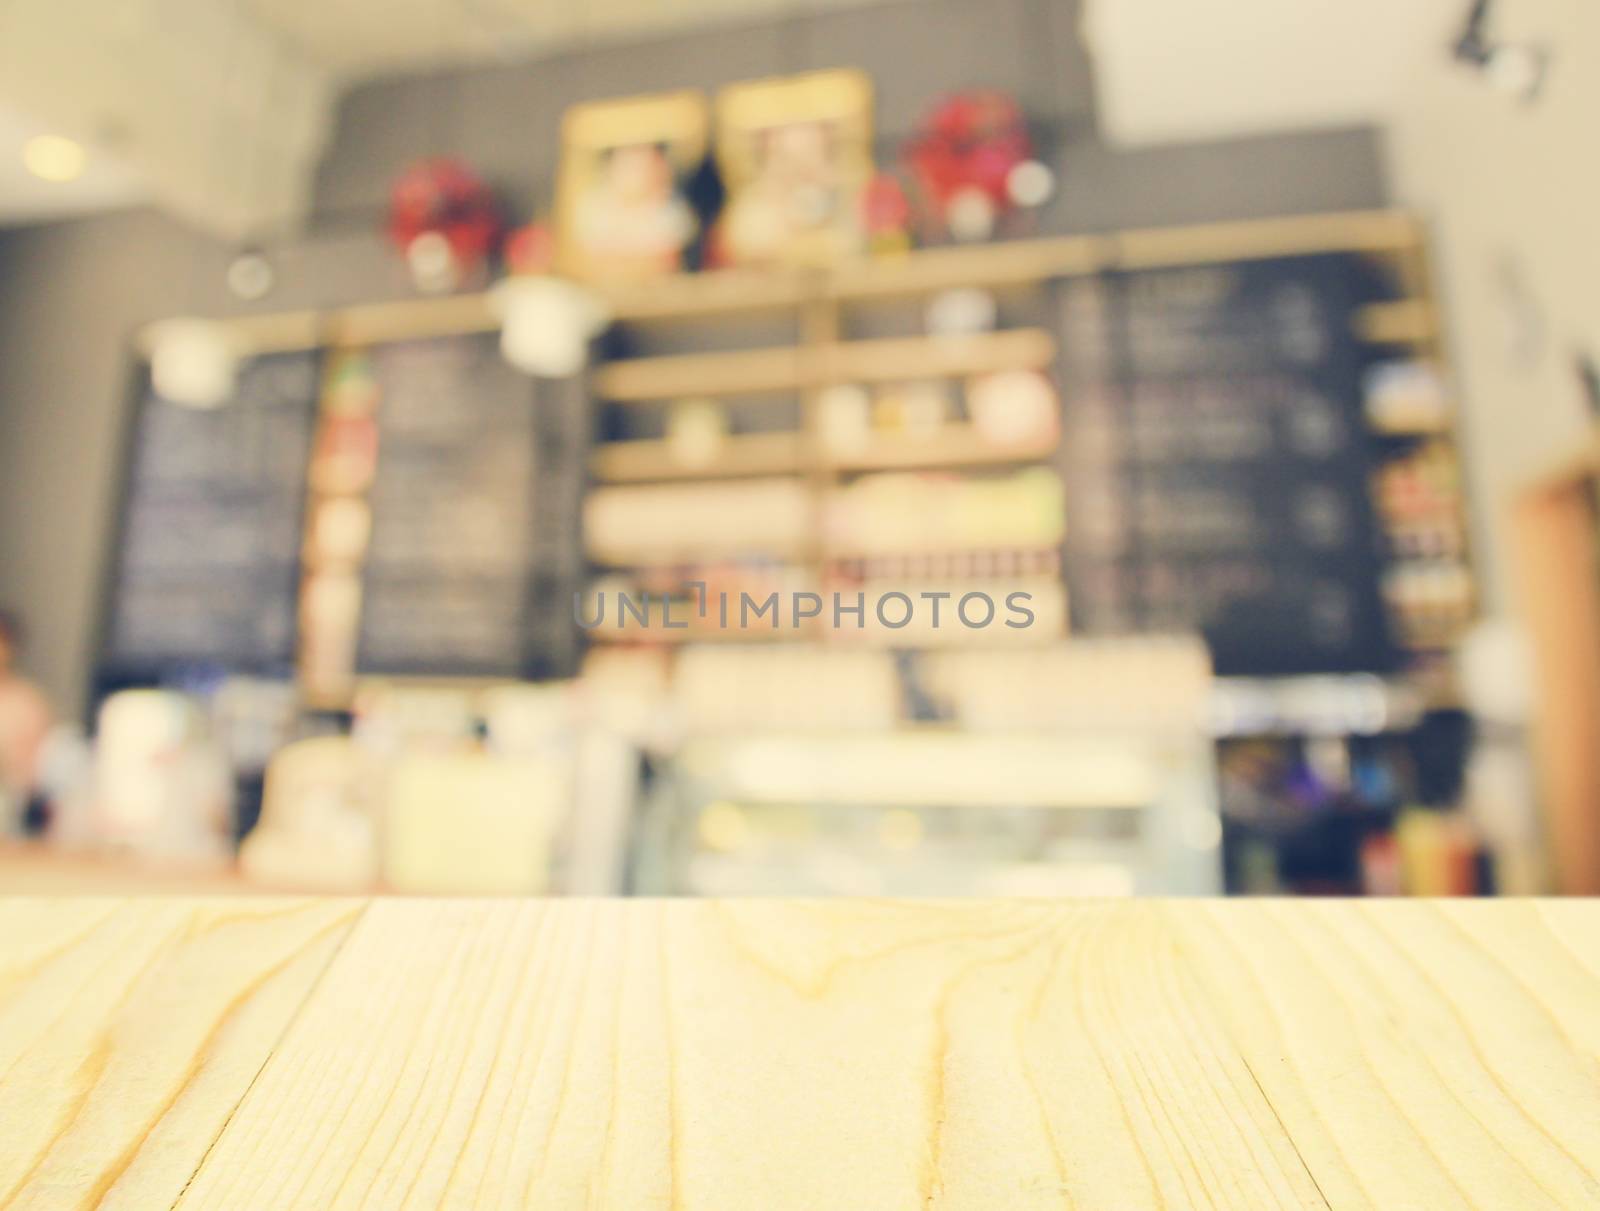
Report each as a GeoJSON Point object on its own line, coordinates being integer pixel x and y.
{"type": "Point", "coordinates": [245, 1054]}
{"type": "Point", "coordinates": [32, 868]}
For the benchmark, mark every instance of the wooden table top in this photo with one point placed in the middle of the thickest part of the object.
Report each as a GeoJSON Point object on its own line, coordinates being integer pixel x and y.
{"type": "Point", "coordinates": [266, 1055]}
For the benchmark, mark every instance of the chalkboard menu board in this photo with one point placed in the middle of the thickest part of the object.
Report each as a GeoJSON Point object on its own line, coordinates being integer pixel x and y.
{"type": "Point", "coordinates": [208, 567]}
{"type": "Point", "coordinates": [1217, 464]}
{"type": "Point", "coordinates": [475, 545]}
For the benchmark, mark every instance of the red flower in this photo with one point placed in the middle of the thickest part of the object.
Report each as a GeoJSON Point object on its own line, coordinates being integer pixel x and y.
{"type": "Point", "coordinates": [971, 140]}
{"type": "Point", "coordinates": [443, 195]}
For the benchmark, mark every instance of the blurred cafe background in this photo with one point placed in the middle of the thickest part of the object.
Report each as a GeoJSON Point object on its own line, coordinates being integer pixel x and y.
{"type": "Point", "coordinates": [514, 447]}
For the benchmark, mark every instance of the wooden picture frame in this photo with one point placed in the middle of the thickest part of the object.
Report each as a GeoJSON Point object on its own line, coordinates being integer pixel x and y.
{"type": "Point", "coordinates": [621, 212]}
{"type": "Point", "coordinates": [796, 156]}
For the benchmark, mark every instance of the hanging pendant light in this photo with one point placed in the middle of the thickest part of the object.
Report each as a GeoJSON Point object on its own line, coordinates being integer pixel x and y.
{"type": "Point", "coordinates": [193, 362]}
{"type": "Point", "coordinates": [546, 323]}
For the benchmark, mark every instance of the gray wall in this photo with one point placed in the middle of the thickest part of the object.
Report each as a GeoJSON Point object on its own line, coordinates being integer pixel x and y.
{"type": "Point", "coordinates": [73, 293]}
{"type": "Point", "coordinates": [70, 295]}
{"type": "Point", "coordinates": [507, 120]}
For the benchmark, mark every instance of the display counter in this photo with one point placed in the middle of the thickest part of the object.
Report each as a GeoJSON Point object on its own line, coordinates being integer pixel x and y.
{"type": "Point", "coordinates": [35, 869]}
{"type": "Point", "coordinates": [231, 1053]}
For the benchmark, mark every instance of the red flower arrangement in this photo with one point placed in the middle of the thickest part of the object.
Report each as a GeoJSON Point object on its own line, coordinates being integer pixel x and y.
{"type": "Point", "coordinates": [442, 199]}
{"type": "Point", "coordinates": [966, 157]}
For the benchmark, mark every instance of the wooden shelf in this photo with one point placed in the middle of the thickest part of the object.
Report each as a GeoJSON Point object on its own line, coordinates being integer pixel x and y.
{"type": "Point", "coordinates": [1025, 262]}
{"type": "Point", "coordinates": [739, 372]}
{"type": "Point", "coordinates": [1371, 231]}
{"type": "Point", "coordinates": [1419, 426]}
{"type": "Point", "coordinates": [796, 553]}
{"type": "Point", "coordinates": [757, 454]}
{"type": "Point", "coordinates": [1406, 322]}
{"type": "Point", "coordinates": [797, 368]}
{"type": "Point", "coordinates": [720, 292]}
{"type": "Point", "coordinates": [923, 271]}
{"type": "Point", "coordinates": [957, 445]}
{"type": "Point", "coordinates": [927, 271]}
{"type": "Point", "coordinates": [921, 357]}
{"type": "Point", "coordinates": [746, 454]}
{"type": "Point", "coordinates": [1128, 1054]}
{"type": "Point", "coordinates": [942, 549]}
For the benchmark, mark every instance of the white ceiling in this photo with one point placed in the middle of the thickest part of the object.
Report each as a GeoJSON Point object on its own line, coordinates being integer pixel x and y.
{"type": "Point", "coordinates": [222, 107]}
{"type": "Point", "coordinates": [220, 110]}
{"type": "Point", "coordinates": [106, 182]}
{"type": "Point", "coordinates": [1170, 71]}
{"type": "Point", "coordinates": [218, 115]}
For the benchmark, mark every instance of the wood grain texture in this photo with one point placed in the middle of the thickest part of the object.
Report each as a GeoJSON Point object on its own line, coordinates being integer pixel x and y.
{"type": "Point", "coordinates": [1558, 584]}
{"type": "Point", "coordinates": [1438, 1057]}
{"type": "Point", "coordinates": [130, 1030]}
{"type": "Point", "coordinates": [776, 1054]}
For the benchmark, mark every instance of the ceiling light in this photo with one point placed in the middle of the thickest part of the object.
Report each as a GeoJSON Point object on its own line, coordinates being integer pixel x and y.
{"type": "Point", "coordinates": [251, 276]}
{"type": "Point", "coordinates": [54, 158]}
{"type": "Point", "coordinates": [1515, 68]}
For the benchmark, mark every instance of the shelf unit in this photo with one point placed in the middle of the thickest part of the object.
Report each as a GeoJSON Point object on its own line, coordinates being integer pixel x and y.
{"type": "Point", "coordinates": [817, 300]}
{"type": "Point", "coordinates": [1387, 234]}
{"type": "Point", "coordinates": [819, 358]}
{"type": "Point", "coordinates": [1412, 329]}
{"type": "Point", "coordinates": [798, 367]}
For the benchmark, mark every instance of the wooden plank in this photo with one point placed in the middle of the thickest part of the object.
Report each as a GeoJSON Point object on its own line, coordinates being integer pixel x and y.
{"type": "Point", "coordinates": [799, 1054]}
{"type": "Point", "coordinates": [791, 368]}
{"type": "Point", "coordinates": [1013, 263]}
{"type": "Point", "coordinates": [1556, 527]}
{"type": "Point", "coordinates": [719, 292]}
{"type": "Point", "coordinates": [954, 445]}
{"type": "Point", "coordinates": [130, 1030]}
{"type": "Point", "coordinates": [737, 372]}
{"type": "Point", "coordinates": [1374, 231]}
{"type": "Point", "coordinates": [1403, 322]}
{"type": "Point", "coordinates": [1420, 1054]}
{"type": "Point", "coordinates": [994, 1055]}
{"type": "Point", "coordinates": [919, 357]}
{"type": "Point", "coordinates": [740, 455]}
{"type": "Point", "coordinates": [923, 271]}
{"type": "Point", "coordinates": [281, 333]}
{"type": "Point", "coordinates": [699, 1055]}
{"type": "Point", "coordinates": [411, 319]}
{"type": "Point", "coordinates": [1408, 426]}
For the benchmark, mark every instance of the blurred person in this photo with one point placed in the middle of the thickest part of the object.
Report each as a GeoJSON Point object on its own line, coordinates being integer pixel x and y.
{"type": "Point", "coordinates": [25, 720]}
